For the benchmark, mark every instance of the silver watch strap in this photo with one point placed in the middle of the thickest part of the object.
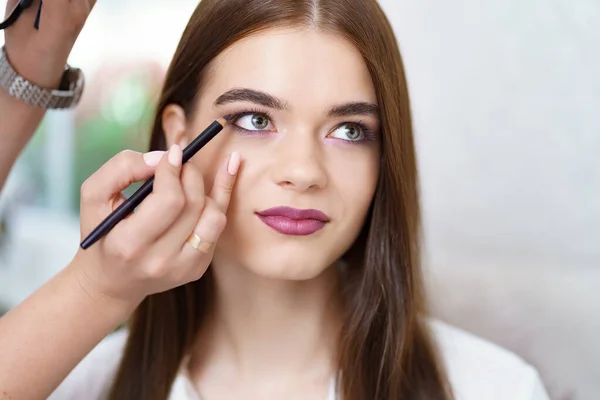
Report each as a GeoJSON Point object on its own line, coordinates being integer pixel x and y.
{"type": "Point", "coordinates": [22, 89]}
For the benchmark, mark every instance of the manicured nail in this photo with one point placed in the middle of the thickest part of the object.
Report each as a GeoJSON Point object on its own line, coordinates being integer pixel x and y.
{"type": "Point", "coordinates": [175, 155]}
{"type": "Point", "coordinates": [153, 158]}
{"type": "Point", "coordinates": [234, 163]}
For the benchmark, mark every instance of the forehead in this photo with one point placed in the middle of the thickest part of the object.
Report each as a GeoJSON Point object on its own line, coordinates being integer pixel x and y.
{"type": "Point", "coordinates": [298, 65]}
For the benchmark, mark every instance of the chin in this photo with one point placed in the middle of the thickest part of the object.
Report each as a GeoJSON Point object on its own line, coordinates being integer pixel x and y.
{"type": "Point", "coordinates": [290, 266]}
{"type": "Point", "coordinates": [299, 258]}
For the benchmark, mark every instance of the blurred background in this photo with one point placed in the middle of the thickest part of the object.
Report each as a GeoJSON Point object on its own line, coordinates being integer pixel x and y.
{"type": "Point", "coordinates": [506, 103]}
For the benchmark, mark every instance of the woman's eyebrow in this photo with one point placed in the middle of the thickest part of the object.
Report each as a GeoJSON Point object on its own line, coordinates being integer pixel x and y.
{"type": "Point", "coordinates": [267, 100]}
{"type": "Point", "coordinates": [252, 96]}
{"type": "Point", "coordinates": [354, 108]}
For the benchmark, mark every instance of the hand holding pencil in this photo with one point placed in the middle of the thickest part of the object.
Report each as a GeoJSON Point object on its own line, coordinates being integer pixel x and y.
{"type": "Point", "coordinates": [168, 241]}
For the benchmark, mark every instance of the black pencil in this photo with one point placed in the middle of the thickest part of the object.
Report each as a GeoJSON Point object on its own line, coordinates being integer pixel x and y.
{"type": "Point", "coordinates": [135, 200]}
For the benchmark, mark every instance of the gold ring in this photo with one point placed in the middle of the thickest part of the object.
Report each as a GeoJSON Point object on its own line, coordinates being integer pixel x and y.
{"type": "Point", "coordinates": [197, 243]}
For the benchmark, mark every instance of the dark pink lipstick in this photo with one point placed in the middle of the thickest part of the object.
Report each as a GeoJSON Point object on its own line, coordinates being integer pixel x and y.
{"type": "Point", "coordinates": [292, 221]}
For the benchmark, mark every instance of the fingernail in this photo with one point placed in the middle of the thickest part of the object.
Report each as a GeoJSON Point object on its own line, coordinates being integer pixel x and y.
{"type": "Point", "coordinates": [234, 163]}
{"type": "Point", "coordinates": [175, 155]}
{"type": "Point", "coordinates": [153, 158]}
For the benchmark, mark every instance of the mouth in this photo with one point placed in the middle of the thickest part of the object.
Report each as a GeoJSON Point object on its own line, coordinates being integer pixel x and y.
{"type": "Point", "coordinates": [292, 221]}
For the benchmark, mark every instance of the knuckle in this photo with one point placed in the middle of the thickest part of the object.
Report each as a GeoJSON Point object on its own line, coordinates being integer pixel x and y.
{"type": "Point", "coordinates": [217, 220]}
{"type": "Point", "coordinates": [125, 250]}
{"type": "Point", "coordinates": [125, 159]}
{"type": "Point", "coordinates": [156, 269]}
{"type": "Point", "coordinates": [127, 153]}
{"type": "Point", "coordinates": [192, 170]}
{"type": "Point", "coordinates": [221, 221]}
{"type": "Point", "coordinates": [196, 200]}
{"type": "Point", "coordinates": [87, 190]}
{"type": "Point", "coordinates": [227, 187]}
{"type": "Point", "coordinates": [174, 200]}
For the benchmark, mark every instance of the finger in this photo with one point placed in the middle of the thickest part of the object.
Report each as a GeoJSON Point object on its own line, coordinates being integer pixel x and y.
{"type": "Point", "coordinates": [225, 180]}
{"type": "Point", "coordinates": [116, 175]}
{"type": "Point", "coordinates": [10, 6]}
{"type": "Point", "coordinates": [193, 188]}
{"type": "Point", "coordinates": [208, 229]}
{"type": "Point", "coordinates": [192, 183]}
{"type": "Point", "coordinates": [161, 208]}
{"type": "Point", "coordinates": [28, 13]}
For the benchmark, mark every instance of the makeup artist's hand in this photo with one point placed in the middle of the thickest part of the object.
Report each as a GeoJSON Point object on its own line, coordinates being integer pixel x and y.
{"type": "Point", "coordinates": [148, 251]}
{"type": "Point", "coordinates": [40, 55]}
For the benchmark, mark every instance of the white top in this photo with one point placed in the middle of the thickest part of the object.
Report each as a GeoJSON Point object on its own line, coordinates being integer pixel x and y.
{"type": "Point", "coordinates": [477, 370]}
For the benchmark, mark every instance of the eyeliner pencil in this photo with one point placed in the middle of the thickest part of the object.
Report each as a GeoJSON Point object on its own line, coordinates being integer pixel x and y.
{"type": "Point", "coordinates": [135, 200]}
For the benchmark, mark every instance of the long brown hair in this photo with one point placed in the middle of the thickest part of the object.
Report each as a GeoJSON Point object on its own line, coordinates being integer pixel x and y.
{"type": "Point", "coordinates": [386, 351]}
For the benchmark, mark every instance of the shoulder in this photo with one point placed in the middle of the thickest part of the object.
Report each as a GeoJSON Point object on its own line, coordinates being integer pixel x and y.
{"type": "Point", "coordinates": [479, 369]}
{"type": "Point", "coordinates": [92, 377]}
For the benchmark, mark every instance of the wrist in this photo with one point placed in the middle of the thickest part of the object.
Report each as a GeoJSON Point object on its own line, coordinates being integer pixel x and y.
{"type": "Point", "coordinates": [119, 308]}
{"type": "Point", "coordinates": [66, 95]}
{"type": "Point", "coordinates": [19, 123]}
{"type": "Point", "coordinates": [45, 74]}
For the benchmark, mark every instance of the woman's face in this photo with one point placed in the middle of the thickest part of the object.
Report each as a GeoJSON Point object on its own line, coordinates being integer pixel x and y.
{"type": "Point", "coordinates": [307, 128]}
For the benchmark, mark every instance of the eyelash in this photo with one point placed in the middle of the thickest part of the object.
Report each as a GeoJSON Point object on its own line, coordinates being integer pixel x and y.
{"type": "Point", "coordinates": [368, 134]}
{"type": "Point", "coordinates": [235, 117]}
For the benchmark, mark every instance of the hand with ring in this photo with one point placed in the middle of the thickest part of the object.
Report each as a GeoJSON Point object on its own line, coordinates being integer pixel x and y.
{"type": "Point", "coordinates": [197, 243]}
{"type": "Point", "coordinates": [168, 241]}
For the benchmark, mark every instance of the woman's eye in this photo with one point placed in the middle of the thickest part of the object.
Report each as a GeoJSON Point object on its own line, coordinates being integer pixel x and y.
{"type": "Point", "coordinates": [350, 132]}
{"type": "Point", "coordinates": [254, 122]}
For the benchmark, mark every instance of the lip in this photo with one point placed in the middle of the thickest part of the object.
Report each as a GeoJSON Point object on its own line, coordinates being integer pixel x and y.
{"type": "Point", "coordinates": [293, 221]}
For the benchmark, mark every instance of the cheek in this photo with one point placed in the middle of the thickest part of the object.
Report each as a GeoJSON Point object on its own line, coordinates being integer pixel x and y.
{"type": "Point", "coordinates": [249, 192]}
{"type": "Point", "coordinates": [208, 163]}
{"type": "Point", "coordinates": [213, 156]}
{"type": "Point", "coordinates": [356, 179]}
{"type": "Point", "coordinates": [252, 179]}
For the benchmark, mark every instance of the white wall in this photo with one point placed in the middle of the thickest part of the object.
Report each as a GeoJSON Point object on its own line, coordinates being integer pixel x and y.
{"type": "Point", "coordinates": [506, 100]}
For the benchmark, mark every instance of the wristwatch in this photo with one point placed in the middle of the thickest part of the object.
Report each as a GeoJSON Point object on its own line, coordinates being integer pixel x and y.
{"type": "Point", "coordinates": [67, 95]}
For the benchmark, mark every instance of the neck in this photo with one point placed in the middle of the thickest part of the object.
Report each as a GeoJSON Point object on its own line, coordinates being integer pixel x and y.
{"type": "Point", "coordinates": [261, 327]}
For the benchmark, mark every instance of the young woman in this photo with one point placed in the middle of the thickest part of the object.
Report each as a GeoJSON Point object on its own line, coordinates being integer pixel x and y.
{"type": "Point", "coordinates": [282, 262]}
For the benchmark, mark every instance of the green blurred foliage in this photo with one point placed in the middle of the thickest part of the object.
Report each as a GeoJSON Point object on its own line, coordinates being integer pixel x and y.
{"type": "Point", "coordinates": [122, 122]}
{"type": "Point", "coordinates": [120, 118]}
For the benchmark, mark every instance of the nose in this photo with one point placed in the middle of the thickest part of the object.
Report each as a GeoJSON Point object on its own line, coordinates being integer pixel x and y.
{"type": "Point", "coordinates": [300, 162]}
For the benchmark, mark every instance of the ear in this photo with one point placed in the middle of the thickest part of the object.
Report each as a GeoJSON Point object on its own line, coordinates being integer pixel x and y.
{"type": "Point", "coordinates": [174, 124]}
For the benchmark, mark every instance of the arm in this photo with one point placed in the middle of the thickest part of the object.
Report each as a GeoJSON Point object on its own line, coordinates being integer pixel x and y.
{"type": "Point", "coordinates": [18, 122]}
{"type": "Point", "coordinates": [40, 57]}
{"type": "Point", "coordinates": [43, 338]}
